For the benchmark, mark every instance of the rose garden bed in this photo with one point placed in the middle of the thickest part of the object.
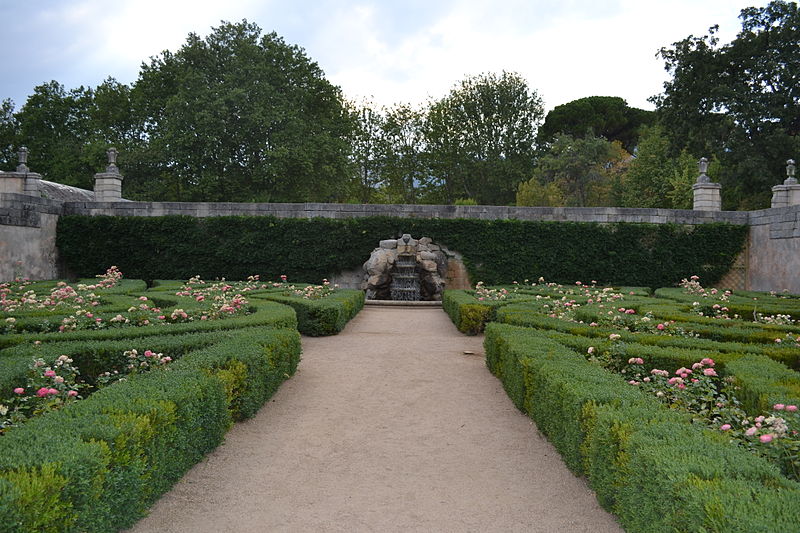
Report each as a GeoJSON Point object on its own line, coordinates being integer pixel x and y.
{"type": "Point", "coordinates": [109, 391]}
{"type": "Point", "coordinates": [680, 418]}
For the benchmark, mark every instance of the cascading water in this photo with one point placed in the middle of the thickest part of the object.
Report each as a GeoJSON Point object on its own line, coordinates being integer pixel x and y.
{"type": "Point", "coordinates": [405, 279]}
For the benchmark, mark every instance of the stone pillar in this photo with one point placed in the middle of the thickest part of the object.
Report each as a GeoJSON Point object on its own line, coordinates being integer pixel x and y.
{"type": "Point", "coordinates": [706, 194]}
{"type": "Point", "coordinates": [22, 180]}
{"type": "Point", "coordinates": [108, 184]}
{"type": "Point", "coordinates": [788, 193]}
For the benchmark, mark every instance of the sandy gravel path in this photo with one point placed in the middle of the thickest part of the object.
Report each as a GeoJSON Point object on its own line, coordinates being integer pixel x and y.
{"type": "Point", "coordinates": [387, 426]}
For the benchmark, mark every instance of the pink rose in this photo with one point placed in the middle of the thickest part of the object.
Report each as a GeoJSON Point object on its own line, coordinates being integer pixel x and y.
{"type": "Point", "coordinates": [707, 361]}
{"type": "Point", "coordinates": [660, 327]}
{"type": "Point", "coordinates": [791, 408]}
{"type": "Point", "coordinates": [19, 390]}
{"type": "Point", "coordinates": [709, 372]}
{"type": "Point", "coordinates": [765, 438]}
{"type": "Point", "coordinates": [51, 373]}
{"type": "Point", "coordinates": [52, 392]}
{"type": "Point", "coordinates": [148, 353]}
{"type": "Point", "coordinates": [751, 431]}
{"type": "Point", "coordinates": [725, 427]}
{"type": "Point", "coordinates": [41, 393]}
{"type": "Point", "coordinates": [72, 393]}
{"type": "Point", "coordinates": [778, 406]}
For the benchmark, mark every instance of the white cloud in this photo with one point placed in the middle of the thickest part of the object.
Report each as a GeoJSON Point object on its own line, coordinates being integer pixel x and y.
{"type": "Point", "coordinates": [572, 56]}
{"type": "Point", "coordinates": [393, 52]}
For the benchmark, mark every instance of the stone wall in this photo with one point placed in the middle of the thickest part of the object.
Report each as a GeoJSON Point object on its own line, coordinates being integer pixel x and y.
{"type": "Point", "coordinates": [28, 237]}
{"type": "Point", "coordinates": [27, 227]}
{"type": "Point", "coordinates": [773, 258]}
{"type": "Point", "coordinates": [311, 210]}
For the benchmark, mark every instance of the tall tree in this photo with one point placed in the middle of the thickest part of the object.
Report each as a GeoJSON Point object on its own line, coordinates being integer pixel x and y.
{"type": "Point", "coordinates": [609, 117]}
{"type": "Point", "coordinates": [480, 138]}
{"type": "Point", "coordinates": [739, 101]}
{"type": "Point", "coordinates": [9, 127]}
{"type": "Point", "coordinates": [656, 178]}
{"type": "Point", "coordinates": [405, 175]}
{"type": "Point", "coordinates": [56, 126]}
{"type": "Point", "coordinates": [577, 172]}
{"type": "Point", "coordinates": [368, 151]}
{"type": "Point", "coordinates": [239, 116]}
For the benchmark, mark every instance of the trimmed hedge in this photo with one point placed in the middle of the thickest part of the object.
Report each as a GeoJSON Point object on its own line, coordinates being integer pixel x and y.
{"type": "Point", "coordinates": [97, 464]}
{"type": "Point", "coordinates": [325, 316]}
{"type": "Point", "coordinates": [525, 315]}
{"type": "Point", "coordinates": [648, 465]}
{"type": "Point", "coordinates": [269, 314]}
{"type": "Point", "coordinates": [494, 251]}
{"type": "Point", "coordinates": [471, 315]}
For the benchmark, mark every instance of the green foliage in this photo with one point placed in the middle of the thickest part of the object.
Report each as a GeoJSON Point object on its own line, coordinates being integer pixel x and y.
{"type": "Point", "coordinates": [494, 251]}
{"type": "Point", "coordinates": [325, 316]}
{"type": "Point", "coordinates": [465, 201]}
{"type": "Point", "coordinates": [535, 193]}
{"type": "Point", "coordinates": [606, 116]}
{"type": "Point", "coordinates": [575, 171]}
{"type": "Point", "coordinates": [656, 179]}
{"type": "Point", "coordinates": [97, 464]}
{"type": "Point", "coordinates": [266, 314]}
{"type": "Point", "coordinates": [239, 116]}
{"type": "Point", "coordinates": [738, 101]}
{"type": "Point", "coordinates": [481, 137]}
{"type": "Point", "coordinates": [648, 465]}
{"type": "Point", "coordinates": [467, 313]}
{"type": "Point", "coordinates": [8, 135]}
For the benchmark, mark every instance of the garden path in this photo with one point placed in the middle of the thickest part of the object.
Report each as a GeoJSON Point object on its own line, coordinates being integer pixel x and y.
{"type": "Point", "coordinates": [388, 426]}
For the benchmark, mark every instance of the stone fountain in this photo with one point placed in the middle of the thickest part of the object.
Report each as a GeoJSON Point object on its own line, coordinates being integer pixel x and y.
{"type": "Point", "coordinates": [406, 269]}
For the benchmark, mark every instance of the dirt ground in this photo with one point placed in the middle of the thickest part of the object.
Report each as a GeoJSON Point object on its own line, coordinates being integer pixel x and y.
{"type": "Point", "coordinates": [388, 426]}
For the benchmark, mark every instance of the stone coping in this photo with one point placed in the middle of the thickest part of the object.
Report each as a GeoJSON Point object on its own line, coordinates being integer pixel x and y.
{"type": "Point", "coordinates": [400, 303]}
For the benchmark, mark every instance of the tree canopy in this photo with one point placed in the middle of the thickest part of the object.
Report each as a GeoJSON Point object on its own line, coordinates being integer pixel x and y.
{"type": "Point", "coordinates": [609, 117]}
{"type": "Point", "coordinates": [239, 116]}
{"type": "Point", "coordinates": [576, 172]}
{"type": "Point", "coordinates": [481, 137]}
{"type": "Point", "coordinates": [739, 101]}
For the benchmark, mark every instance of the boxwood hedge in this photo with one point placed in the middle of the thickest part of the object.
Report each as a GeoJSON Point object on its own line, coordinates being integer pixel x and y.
{"type": "Point", "coordinates": [494, 251]}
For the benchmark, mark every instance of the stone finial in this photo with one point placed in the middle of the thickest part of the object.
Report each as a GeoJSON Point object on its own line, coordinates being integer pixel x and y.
{"type": "Point", "coordinates": [23, 159]}
{"type": "Point", "coordinates": [703, 166]}
{"type": "Point", "coordinates": [790, 168]}
{"type": "Point", "coordinates": [112, 161]}
{"type": "Point", "coordinates": [706, 194]}
{"type": "Point", "coordinates": [108, 184]}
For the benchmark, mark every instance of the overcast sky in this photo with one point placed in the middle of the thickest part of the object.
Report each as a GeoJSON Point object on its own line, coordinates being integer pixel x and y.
{"type": "Point", "coordinates": [388, 51]}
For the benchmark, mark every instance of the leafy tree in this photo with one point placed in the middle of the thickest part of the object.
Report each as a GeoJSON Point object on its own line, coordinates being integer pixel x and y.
{"type": "Point", "coordinates": [404, 168]}
{"type": "Point", "coordinates": [575, 172]}
{"type": "Point", "coordinates": [55, 125]}
{"type": "Point", "coordinates": [537, 194]}
{"type": "Point", "coordinates": [367, 145]}
{"type": "Point", "coordinates": [739, 101]}
{"type": "Point", "coordinates": [8, 135]}
{"type": "Point", "coordinates": [656, 178]}
{"type": "Point", "coordinates": [480, 138]}
{"type": "Point", "coordinates": [609, 117]}
{"type": "Point", "coordinates": [239, 116]}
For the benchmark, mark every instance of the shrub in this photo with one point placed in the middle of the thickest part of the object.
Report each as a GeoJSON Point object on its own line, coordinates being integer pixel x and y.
{"type": "Point", "coordinates": [321, 316]}
{"type": "Point", "coordinates": [495, 251]}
